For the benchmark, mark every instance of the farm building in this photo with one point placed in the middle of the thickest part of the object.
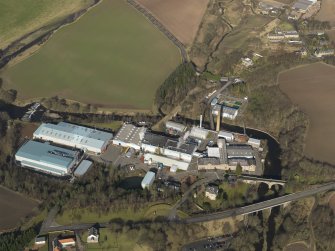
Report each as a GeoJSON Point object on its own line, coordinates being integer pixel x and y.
{"type": "Point", "coordinates": [148, 179]}
{"type": "Point", "coordinates": [173, 163]}
{"type": "Point", "coordinates": [170, 125]}
{"type": "Point", "coordinates": [46, 158]}
{"type": "Point", "coordinates": [130, 136]}
{"type": "Point", "coordinates": [226, 135]}
{"type": "Point", "coordinates": [93, 235]}
{"type": "Point", "coordinates": [40, 240]}
{"type": "Point", "coordinates": [84, 138]}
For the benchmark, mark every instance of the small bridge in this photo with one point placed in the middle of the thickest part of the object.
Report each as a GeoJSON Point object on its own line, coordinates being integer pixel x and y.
{"type": "Point", "coordinates": [255, 180]}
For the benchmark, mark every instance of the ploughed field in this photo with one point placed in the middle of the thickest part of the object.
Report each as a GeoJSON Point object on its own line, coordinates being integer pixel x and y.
{"type": "Point", "coordinates": [181, 17]}
{"type": "Point", "coordinates": [13, 208]}
{"type": "Point", "coordinates": [111, 56]}
{"type": "Point", "coordinates": [312, 88]}
{"type": "Point", "coordinates": [327, 12]}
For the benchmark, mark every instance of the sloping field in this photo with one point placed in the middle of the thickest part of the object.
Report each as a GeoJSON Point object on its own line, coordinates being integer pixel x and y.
{"type": "Point", "coordinates": [18, 17]}
{"type": "Point", "coordinates": [13, 207]}
{"type": "Point", "coordinates": [180, 17]}
{"type": "Point", "coordinates": [312, 88]}
{"type": "Point", "coordinates": [111, 56]}
{"type": "Point", "coordinates": [327, 12]}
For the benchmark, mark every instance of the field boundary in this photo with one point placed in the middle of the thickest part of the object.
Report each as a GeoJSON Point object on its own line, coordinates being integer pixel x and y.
{"type": "Point", "coordinates": [161, 27]}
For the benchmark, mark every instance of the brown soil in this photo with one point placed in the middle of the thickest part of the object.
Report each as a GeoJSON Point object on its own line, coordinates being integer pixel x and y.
{"type": "Point", "coordinates": [13, 208]}
{"type": "Point", "coordinates": [182, 18]}
{"type": "Point", "coordinates": [312, 88]}
{"type": "Point", "coordinates": [327, 12]}
{"type": "Point", "coordinates": [28, 130]}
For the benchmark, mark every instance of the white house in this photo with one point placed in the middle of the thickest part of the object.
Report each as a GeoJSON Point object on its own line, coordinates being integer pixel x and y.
{"type": "Point", "coordinates": [93, 235]}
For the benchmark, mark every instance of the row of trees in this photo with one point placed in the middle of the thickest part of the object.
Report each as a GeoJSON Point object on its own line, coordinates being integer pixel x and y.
{"type": "Point", "coordinates": [17, 240]}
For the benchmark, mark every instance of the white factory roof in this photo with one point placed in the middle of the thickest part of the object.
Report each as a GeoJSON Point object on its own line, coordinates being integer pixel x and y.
{"type": "Point", "coordinates": [82, 168]}
{"type": "Point", "coordinates": [75, 134]}
{"type": "Point", "coordinates": [129, 133]}
{"type": "Point", "coordinates": [175, 126]}
{"type": "Point", "coordinates": [166, 161]}
{"type": "Point", "coordinates": [198, 132]}
{"type": "Point", "coordinates": [255, 142]}
{"type": "Point", "coordinates": [226, 135]}
{"type": "Point", "coordinates": [213, 152]}
{"type": "Point", "coordinates": [148, 179]}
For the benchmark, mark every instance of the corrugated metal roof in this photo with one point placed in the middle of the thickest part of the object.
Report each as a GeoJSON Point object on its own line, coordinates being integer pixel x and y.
{"type": "Point", "coordinates": [75, 134]}
{"type": "Point", "coordinates": [46, 153]}
{"type": "Point", "coordinates": [82, 168]}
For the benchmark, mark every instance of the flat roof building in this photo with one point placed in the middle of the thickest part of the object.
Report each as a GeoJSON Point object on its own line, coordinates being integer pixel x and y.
{"type": "Point", "coordinates": [82, 168]}
{"type": "Point", "coordinates": [199, 133]}
{"type": "Point", "coordinates": [166, 161]}
{"type": "Point", "coordinates": [84, 138]}
{"type": "Point", "coordinates": [130, 135]}
{"type": "Point", "coordinates": [240, 151]}
{"type": "Point", "coordinates": [175, 126]}
{"type": "Point", "coordinates": [46, 158]}
{"type": "Point", "coordinates": [148, 179]}
{"type": "Point", "coordinates": [226, 135]}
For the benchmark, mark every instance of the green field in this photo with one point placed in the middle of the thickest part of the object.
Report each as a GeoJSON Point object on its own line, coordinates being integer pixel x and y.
{"type": "Point", "coordinates": [112, 56]}
{"type": "Point", "coordinates": [18, 17]}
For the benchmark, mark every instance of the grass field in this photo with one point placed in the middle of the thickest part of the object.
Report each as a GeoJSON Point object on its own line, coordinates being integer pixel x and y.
{"type": "Point", "coordinates": [13, 208]}
{"type": "Point", "coordinates": [71, 216]}
{"type": "Point", "coordinates": [312, 88]}
{"type": "Point", "coordinates": [18, 17]}
{"type": "Point", "coordinates": [111, 56]}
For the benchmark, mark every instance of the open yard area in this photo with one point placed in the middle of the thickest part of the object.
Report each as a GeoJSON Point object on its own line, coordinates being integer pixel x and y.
{"type": "Point", "coordinates": [18, 17]}
{"type": "Point", "coordinates": [13, 208]}
{"type": "Point", "coordinates": [312, 88]}
{"type": "Point", "coordinates": [112, 56]}
{"type": "Point", "coordinates": [327, 12]}
{"type": "Point", "coordinates": [180, 17]}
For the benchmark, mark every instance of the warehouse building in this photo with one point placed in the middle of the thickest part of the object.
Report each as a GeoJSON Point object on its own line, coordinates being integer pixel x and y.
{"type": "Point", "coordinates": [46, 158]}
{"type": "Point", "coordinates": [130, 136]}
{"type": "Point", "coordinates": [199, 133]}
{"type": "Point", "coordinates": [169, 162]}
{"type": "Point", "coordinates": [148, 179]}
{"type": "Point", "coordinates": [173, 126]}
{"type": "Point", "coordinates": [84, 138]}
{"type": "Point", "coordinates": [171, 147]}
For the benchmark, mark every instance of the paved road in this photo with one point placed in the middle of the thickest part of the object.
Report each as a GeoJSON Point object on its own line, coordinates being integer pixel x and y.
{"type": "Point", "coordinates": [262, 205]}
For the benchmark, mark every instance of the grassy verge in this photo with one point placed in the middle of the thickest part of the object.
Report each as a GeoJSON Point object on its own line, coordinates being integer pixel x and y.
{"type": "Point", "coordinates": [73, 216]}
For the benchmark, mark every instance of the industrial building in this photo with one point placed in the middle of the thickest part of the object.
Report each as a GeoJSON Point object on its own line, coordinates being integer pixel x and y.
{"type": "Point", "coordinates": [226, 135]}
{"type": "Point", "coordinates": [226, 112]}
{"type": "Point", "coordinates": [166, 161]}
{"type": "Point", "coordinates": [46, 158]}
{"type": "Point", "coordinates": [240, 151]}
{"type": "Point", "coordinates": [173, 126]}
{"type": "Point", "coordinates": [130, 136]}
{"type": "Point", "coordinates": [199, 133]}
{"type": "Point", "coordinates": [303, 6]}
{"type": "Point", "coordinates": [82, 168]}
{"type": "Point", "coordinates": [87, 139]}
{"type": "Point", "coordinates": [148, 179]}
{"type": "Point", "coordinates": [171, 147]}
{"type": "Point", "coordinates": [254, 142]}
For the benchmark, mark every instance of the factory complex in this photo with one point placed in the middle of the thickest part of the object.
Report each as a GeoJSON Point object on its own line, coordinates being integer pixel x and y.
{"type": "Point", "coordinates": [58, 149]}
{"type": "Point", "coordinates": [61, 149]}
